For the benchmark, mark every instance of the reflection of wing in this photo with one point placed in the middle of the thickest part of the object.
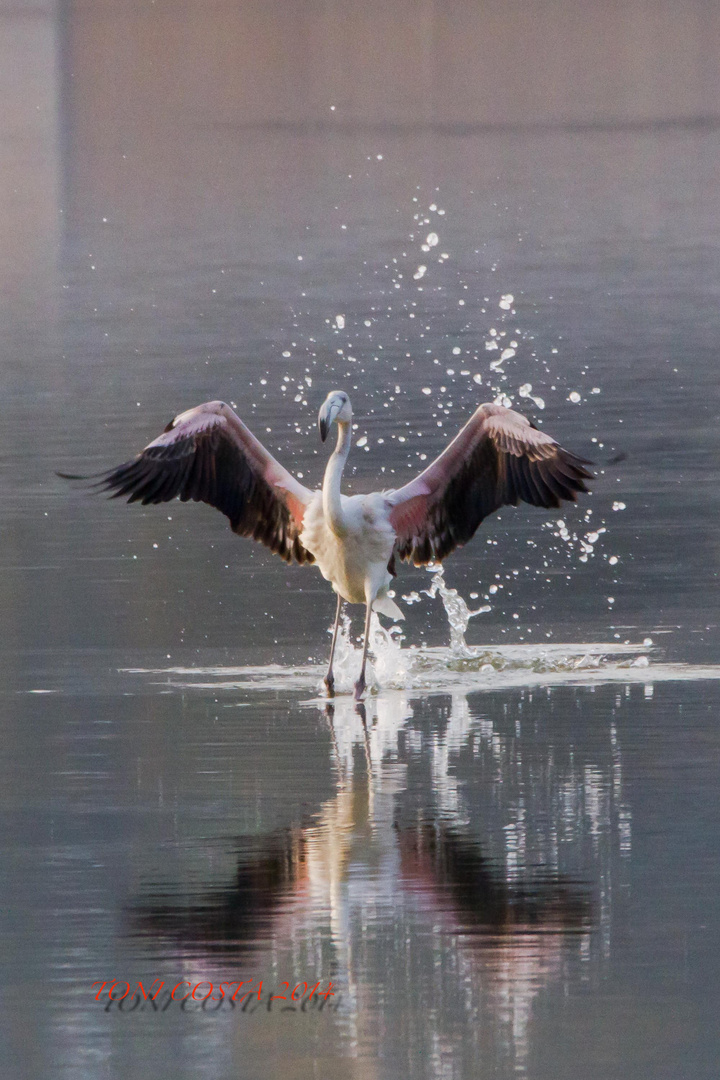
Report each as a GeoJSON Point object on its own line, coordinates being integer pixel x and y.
{"type": "Point", "coordinates": [229, 920]}
{"type": "Point", "coordinates": [456, 879]}
{"type": "Point", "coordinates": [207, 454]}
{"type": "Point", "coordinates": [499, 458]}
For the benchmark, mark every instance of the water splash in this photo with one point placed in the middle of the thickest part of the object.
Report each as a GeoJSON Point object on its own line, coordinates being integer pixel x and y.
{"type": "Point", "coordinates": [388, 663]}
{"type": "Point", "coordinates": [457, 611]}
{"type": "Point", "coordinates": [422, 670]}
{"type": "Point", "coordinates": [393, 666]}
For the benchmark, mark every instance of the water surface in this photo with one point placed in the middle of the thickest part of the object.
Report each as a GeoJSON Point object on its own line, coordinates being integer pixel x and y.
{"type": "Point", "coordinates": [504, 862]}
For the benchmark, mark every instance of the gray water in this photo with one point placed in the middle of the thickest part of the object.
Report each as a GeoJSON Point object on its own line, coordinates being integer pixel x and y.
{"type": "Point", "coordinates": [505, 861]}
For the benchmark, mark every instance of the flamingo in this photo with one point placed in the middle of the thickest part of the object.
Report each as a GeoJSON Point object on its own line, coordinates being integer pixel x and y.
{"type": "Point", "coordinates": [209, 455]}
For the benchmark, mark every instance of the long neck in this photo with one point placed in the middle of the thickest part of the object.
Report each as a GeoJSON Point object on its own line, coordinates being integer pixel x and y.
{"type": "Point", "coordinates": [332, 507]}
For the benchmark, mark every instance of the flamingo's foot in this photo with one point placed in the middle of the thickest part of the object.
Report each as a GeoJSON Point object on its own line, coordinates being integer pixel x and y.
{"type": "Point", "coordinates": [329, 681]}
{"type": "Point", "coordinates": [360, 686]}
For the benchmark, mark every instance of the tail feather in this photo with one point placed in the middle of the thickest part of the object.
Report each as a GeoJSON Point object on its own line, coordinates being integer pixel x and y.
{"type": "Point", "coordinates": [388, 607]}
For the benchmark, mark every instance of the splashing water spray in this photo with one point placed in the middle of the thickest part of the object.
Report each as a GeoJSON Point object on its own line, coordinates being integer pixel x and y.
{"type": "Point", "coordinates": [395, 667]}
{"type": "Point", "coordinates": [392, 665]}
{"type": "Point", "coordinates": [457, 611]}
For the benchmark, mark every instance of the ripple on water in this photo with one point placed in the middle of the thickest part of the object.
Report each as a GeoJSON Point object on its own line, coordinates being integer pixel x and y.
{"type": "Point", "coordinates": [440, 670]}
{"type": "Point", "coordinates": [457, 667]}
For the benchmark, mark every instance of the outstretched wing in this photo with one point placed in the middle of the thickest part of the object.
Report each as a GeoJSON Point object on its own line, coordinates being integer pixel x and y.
{"type": "Point", "coordinates": [207, 454]}
{"type": "Point", "coordinates": [499, 458]}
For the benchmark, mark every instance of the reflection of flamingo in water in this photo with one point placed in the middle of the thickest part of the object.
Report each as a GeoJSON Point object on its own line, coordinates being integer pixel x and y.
{"type": "Point", "coordinates": [441, 865]}
{"type": "Point", "coordinates": [207, 454]}
{"type": "Point", "coordinates": [362, 855]}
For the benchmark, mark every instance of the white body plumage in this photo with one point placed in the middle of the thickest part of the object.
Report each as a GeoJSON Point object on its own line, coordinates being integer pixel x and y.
{"type": "Point", "coordinates": [356, 560]}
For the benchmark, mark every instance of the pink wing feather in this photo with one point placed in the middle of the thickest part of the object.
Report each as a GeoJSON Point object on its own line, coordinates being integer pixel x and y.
{"type": "Point", "coordinates": [499, 458]}
{"type": "Point", "coordinates": [207, 454]}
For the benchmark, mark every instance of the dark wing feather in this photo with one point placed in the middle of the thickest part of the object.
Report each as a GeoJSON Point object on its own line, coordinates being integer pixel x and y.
{"type": "Point", "coordinates": [498, 459]}
{"type": "Point", "coordinates": [208, 455]}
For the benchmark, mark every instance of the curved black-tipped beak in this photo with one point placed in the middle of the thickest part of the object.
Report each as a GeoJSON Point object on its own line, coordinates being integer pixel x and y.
{"type": "Point", "coordinates": [327, 414]}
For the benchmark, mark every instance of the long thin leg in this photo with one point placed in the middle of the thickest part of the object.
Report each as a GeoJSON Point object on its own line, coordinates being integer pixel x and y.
{"type": "Point", "coordinates": [329, 679]}
{"type": "Point", "coordinates": [360, 684]}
